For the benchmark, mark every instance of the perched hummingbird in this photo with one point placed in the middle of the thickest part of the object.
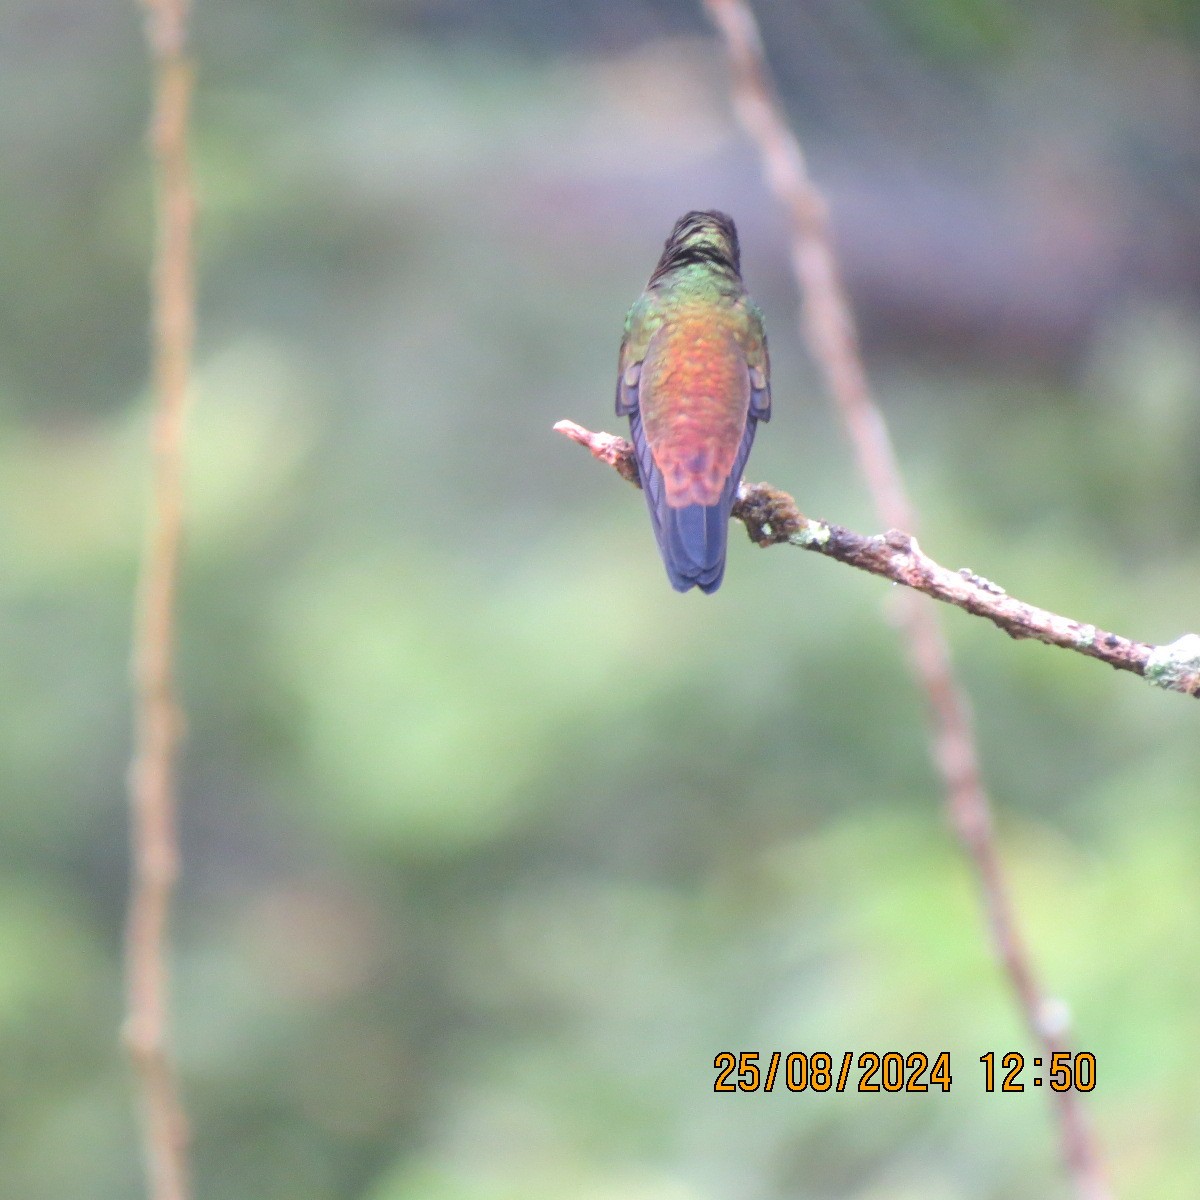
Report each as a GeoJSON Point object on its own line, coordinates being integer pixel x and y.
{"type": "Point", "coordinates": [694, 381]}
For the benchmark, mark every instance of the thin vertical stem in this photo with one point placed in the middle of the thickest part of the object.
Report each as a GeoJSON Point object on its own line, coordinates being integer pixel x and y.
{"type": "Point", "coordinates": [827, 323]}
{"type": "Point", "coordinates": [158, 721]}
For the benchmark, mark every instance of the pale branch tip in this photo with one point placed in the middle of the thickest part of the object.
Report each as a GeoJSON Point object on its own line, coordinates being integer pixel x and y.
{"type": "Point", "coordinates": [771, 518]}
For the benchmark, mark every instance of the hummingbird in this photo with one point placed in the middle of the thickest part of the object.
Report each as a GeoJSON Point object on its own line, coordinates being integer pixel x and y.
{"type": "Point", "coordinates": [694, 382]}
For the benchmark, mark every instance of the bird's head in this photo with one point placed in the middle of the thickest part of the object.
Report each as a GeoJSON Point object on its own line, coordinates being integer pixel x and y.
{"type": "Point", "coordinates": [706, 238]}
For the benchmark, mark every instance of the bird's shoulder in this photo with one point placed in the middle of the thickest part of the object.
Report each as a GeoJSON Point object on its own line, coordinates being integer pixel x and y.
{"type": "Point", "coordinates": [656, 308]}
{"type": "Point", "coordinates": [645, 318]}
{"type": "Point", "coordinates": [752, 334]}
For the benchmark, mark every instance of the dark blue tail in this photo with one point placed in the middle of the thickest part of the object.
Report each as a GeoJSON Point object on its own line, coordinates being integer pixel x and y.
{"type": "Point", "coordinates": [692, 543]}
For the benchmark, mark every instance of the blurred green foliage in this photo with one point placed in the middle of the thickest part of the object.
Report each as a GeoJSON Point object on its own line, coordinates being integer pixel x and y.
{"type": "Point", "coordinates": [491, 840]}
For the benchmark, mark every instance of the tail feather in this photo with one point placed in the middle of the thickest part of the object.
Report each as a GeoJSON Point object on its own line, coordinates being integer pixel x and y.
{"type": "Point", "coordinates": [693, 545]}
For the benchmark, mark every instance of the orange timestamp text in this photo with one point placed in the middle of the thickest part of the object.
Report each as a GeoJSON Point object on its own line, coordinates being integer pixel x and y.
{"type": "Point", "coordinates": [1064, 1072]}
{"type": "Point", "coordinates": [819, 1071]}
{"type": "Point", "coordinates": [893, 1071]}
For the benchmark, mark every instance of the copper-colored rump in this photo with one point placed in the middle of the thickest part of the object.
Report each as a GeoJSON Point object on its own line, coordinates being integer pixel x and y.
{"type": "Point", "coordinates": [695, 393]}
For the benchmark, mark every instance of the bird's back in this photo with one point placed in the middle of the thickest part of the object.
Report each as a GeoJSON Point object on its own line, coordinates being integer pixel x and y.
{"type": "Point", "coordinates": [695, 394]}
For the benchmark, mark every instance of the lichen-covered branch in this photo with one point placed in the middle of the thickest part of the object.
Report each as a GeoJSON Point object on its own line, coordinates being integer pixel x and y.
{"type": "Point", "coordinates": [772, 518]}
{"type": "Point", "coordinates": [154, 854]}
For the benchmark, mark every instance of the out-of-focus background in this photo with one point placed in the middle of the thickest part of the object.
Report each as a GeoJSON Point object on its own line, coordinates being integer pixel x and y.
{"type": "Point", "coordinates": [492, 841]}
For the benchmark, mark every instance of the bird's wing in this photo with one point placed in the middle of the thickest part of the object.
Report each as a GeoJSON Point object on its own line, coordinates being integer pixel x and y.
{"type": "Point", "coordinates": [758, 359]}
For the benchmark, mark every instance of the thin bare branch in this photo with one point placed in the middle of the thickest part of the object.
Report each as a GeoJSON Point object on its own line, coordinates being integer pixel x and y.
{"type": "Point", "coordinates": [772, 518]}
{"type": "Point", "coordinates": [158, 721]}
{"type": "Point", "coordinates": [827, 322]}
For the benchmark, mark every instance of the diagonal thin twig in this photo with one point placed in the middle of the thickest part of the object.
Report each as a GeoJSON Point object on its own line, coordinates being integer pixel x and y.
{"type": "Point", "coordinates": [772, 518]}
{"type": "Point", "coordinates": [829, 327]}
{"type": "Point", "coordinates": [158, 721]}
